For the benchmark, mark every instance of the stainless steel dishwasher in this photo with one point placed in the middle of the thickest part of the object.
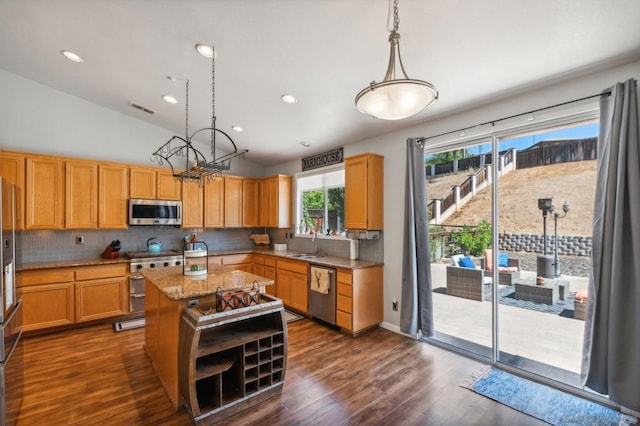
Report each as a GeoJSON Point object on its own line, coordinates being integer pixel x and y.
{"type": "Point", "coordinates": [322, 305]}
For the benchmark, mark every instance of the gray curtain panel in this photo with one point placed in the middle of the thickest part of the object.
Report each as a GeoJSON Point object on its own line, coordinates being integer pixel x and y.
{"type": "Point", "coordinates": [416, 312]}
{"type": "Point", "coordinates": [611, 353]}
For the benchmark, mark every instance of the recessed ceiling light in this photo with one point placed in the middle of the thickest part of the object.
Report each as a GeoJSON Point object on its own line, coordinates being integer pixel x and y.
{"type": "Point", "coordinates": [305, 144]}
{"type": "Point", "coordinates": [170, 99]}
{"type": "Point", "coordinates": [72, 56]}
{"type": "Point", "coordinates": [205, 50]}
{"type": "Point", "coordinates": [289, 99]}
{"type": "Point", "coordinates": [237, 129]}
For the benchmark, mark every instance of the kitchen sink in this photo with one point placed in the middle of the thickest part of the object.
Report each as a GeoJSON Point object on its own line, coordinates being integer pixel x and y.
{"type": "Point", "coordinates": [305, 256]}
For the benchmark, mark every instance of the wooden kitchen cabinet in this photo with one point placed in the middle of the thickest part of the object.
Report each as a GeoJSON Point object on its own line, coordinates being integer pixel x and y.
{"type": "Point", "coordinates": [241, 262]}
{"type": "Point", "coordinates": [101, 292]}
{"type": "Point", "coordinates": [81, 195]}
{"type": "Point", "coordinates": [292, 284]}
{"type": "Point", "coordinates": [168, 187]}
{"type": "Point", "coordinates": [275, 202]}
{"type": "Point", "coordinates": [232, 202]}
{"type": "Point", "coordinates": [47, 297]}
{"type": "Point", "coordinates": [65, 296]}
{"type": "Point", "coordinates": [363, 187]}
{"type": "Point", "coordinates": [265, 266]}
{"type": "Point", "coordinates": [192, 205]}
{"type": "Point", "coordinates": [113, 193]}
{"type": "Point", "coordinates": [45, 193]}
{"type": "Point", "coordinates": [151, 183]}
{"type": "Point", "coordinates": [214, 203]}
{"type": "Point", "coordinates": [142, 183]}
{"type": "Point", "coordinates": [359, 299]}
{"type": "Point", "coordinates": [270, 271]}
{"type": "Point", "coordinates": [12, 169]}
{"type": "Point", "coordinates": [250, 203]}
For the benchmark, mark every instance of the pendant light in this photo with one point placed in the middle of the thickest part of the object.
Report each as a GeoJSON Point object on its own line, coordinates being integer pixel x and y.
{"type": "Point", "coordinates": [395, 98]}
{"type": "Point", "coordinates": [189, 164]}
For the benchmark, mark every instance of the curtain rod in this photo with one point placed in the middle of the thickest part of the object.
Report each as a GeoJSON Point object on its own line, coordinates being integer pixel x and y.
{"type": "Point", "coordinates": [493, 122]}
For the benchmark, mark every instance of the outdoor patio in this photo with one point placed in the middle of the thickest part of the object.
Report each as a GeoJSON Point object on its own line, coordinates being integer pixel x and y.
{"type": "Point", "coordinates": [543, 337]}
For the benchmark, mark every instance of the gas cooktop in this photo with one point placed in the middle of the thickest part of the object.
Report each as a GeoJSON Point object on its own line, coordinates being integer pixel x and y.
{"type": "Point", "coordinates": [148, 255]}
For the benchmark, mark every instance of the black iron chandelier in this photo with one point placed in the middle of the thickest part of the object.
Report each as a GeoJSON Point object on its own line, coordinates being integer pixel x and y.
{"type": "Point", "coordinates": [187, 163]}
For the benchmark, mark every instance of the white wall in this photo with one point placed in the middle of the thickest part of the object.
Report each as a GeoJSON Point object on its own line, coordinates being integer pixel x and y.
{"type": "Point", "coordinates": [393, 147]}
{"type": "Point", "coordinates": [36, 118]}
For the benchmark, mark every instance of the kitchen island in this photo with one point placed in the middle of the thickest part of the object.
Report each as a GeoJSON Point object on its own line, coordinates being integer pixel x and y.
{"type": "Point", "coordinates": [168, 293]}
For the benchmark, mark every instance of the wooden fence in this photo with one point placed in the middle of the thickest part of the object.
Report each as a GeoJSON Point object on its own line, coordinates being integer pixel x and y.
{"type": "Point", "coordinates": [557, 151]}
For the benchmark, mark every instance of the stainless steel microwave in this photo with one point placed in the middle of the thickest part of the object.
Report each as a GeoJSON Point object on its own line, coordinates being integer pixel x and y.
{"type": "Point", "coordinates": [154, 212]}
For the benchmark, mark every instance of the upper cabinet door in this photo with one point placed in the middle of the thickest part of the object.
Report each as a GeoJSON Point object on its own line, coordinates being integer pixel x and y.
{"type": "Point", "coordinates": [275, 201]}
{"type": "Point", "coordinates": [12, 169]}
{"type": "Point", "coordinates": [81, 195]}
{"type": "Point", "coordinates": [192, 205]}
{"type": "Point", "coordinates": [232, 202]}
{"type": "Point", "coordinates": [113, 193]}
{"type": "Point", "coordinates": [45, 193]}
{"type": "Point", "coordinates": [142, 183]}
{"type": "Point", "coordinates": [214, 203]}
{"type": "Point", "coordinates": [363, 187]}
{"type": "Point", "coordinates": [168, 187]}
{"type": "Point", "coordinates": [250, 202]}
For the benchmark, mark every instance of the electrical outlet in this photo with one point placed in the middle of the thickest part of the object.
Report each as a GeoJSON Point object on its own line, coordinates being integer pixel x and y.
{"type": "Point", "coordinates": [79, 239]}
{"type": "Point", "coordinates": [394, 304]}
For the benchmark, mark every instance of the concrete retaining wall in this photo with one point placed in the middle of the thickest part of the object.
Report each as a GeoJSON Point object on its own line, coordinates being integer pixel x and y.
{"type": "Point", "coordinates": [569, 245]}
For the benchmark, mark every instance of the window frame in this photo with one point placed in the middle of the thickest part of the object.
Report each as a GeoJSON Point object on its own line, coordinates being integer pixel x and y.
{"type": "Point", "coordinates": [298, 193]}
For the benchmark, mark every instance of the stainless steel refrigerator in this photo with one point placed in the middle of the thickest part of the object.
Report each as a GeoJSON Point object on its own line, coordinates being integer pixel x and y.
{"type": "Point", "coordinates": [11, 355]}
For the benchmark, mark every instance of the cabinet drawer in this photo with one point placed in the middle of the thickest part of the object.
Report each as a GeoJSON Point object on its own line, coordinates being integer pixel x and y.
{"type": "Point", "coordinates": [46, 276]}
{"type": "Point", "coordinates": [344, 277]}
{"type": "Point", "coordinates": [345, 289]}
{"type": "Point", "coordinates": [270, 261]}
{"type": "Point", "coordinates": [235, 259]}
{"type": "Point", "coordinates": [293, 266]}
{"type": "Point", "coordinates": [258, 259]}
{"type": "Point", "coordinates": [102, 271]}
{"type": "Point", "coordinates": [343, 320]}
{"type": "Point", "coordinates": [343, 303]}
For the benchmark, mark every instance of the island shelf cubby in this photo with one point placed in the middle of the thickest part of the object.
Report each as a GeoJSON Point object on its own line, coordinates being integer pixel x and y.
{"type": "Point", "coordinates": [229, 361]}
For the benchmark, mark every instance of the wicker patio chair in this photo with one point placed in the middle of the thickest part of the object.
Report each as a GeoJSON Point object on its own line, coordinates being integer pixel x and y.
{"type": "Point", "coordinates": [468, 283]}
{"type": "Point", "coordinates": [506, 277]}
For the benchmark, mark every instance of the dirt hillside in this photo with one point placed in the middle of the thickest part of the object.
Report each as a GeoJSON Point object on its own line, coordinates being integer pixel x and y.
{"type": "Point", "coordinates": [518, 198]}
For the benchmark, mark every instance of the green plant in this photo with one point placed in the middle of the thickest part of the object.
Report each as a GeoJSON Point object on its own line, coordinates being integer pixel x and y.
{"type": "Point", "coordinates": [473, 240]}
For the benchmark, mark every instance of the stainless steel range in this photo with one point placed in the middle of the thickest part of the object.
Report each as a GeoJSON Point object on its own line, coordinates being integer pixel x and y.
{"type": "Point", "coordinates": [144, 260]}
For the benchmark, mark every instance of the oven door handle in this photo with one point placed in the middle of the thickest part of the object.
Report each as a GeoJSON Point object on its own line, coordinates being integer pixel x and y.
{"type": "Point", "coordinates": [137, 295]}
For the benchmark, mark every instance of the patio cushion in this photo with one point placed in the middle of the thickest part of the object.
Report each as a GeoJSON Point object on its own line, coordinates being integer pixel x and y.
{"type": "Point", "coordinates": [582, 295]}
{"type": "Point", "coordinates": [455, 259]}
{"type": "Point", "coordinates": [503, 260]}
{"type": "Point", "coordinates": [488, 259]}
{"type": "Point", "coordinates": [466, 262]}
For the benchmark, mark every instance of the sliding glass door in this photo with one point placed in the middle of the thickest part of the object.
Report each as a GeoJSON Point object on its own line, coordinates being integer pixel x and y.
{"type": "Point", "coordinates": [459, 206]}
{"type": "Point", "coordinates": [517, 227]}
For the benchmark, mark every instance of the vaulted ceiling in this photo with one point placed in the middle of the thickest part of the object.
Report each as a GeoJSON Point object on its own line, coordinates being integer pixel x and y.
{"type": "Point", "coordinates": [320, 51]}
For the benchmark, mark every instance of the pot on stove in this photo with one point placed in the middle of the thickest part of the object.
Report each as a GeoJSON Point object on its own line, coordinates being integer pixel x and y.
{"type": "Point", "coordinates": [153, 246]}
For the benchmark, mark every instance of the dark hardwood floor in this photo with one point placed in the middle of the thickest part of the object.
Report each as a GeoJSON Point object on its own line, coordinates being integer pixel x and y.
{"type": "Point", "coordinates": [92, 376]}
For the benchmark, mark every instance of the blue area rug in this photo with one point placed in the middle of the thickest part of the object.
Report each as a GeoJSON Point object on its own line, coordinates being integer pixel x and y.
{"type": "Point", "coordinates": [542, 402]}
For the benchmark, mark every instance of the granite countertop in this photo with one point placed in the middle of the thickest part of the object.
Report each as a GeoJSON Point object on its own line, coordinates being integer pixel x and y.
{"type": "Point", "coordinates": [330, 261]}
{"type": "Point", "coordinates": [177, 286]}
{"type": "Point", "coordinates": [71, 263]}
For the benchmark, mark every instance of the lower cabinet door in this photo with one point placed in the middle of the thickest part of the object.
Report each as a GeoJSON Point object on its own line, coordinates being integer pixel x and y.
{"type": "Point", "coordinates": [47, 305]}
{"type": "Point", "coordinates": [103, 298]}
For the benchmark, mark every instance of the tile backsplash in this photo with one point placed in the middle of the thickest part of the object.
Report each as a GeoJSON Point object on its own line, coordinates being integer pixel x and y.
{"type": "Point", "coordinates": [53, 246]}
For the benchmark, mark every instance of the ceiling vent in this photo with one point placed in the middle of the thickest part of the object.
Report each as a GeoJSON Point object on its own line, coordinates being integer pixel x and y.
{"type": "Point", "coordinates": [141, 108]}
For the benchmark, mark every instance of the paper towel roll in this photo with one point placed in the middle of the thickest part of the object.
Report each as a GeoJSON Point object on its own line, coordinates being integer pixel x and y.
{"type": "Point", "coordinates": [354, 246]}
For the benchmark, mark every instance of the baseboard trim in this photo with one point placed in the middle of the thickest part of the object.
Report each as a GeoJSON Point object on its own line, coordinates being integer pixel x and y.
{"type": "Point", "coordinates": [396, 329]}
